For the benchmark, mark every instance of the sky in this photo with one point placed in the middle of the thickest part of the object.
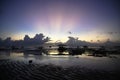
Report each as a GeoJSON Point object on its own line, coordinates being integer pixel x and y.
{"type": "Point", "coordinates": [89, 20]}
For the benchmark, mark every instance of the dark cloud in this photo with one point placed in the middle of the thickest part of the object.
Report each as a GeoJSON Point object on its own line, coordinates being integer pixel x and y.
{"type": "Point", "coordinates": [74, 42]}
{"type": "Point", "coordinates": [38, 39]}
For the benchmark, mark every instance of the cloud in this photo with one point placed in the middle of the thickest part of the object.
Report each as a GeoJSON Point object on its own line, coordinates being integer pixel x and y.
{"type": "Point", "coordinates": [75, 42]}
{"type": "Point", "coordinates": [38, 39]}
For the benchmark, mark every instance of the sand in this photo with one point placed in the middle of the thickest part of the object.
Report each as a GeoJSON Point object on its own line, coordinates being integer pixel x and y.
{"type": "Point", "coordinates": [20, 70]}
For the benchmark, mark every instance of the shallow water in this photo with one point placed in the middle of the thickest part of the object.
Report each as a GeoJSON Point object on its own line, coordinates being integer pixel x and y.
{"type": "Point", "coordinates": [109, 63]}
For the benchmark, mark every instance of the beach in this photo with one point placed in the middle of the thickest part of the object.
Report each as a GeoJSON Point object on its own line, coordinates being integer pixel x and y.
{"type": "Point", "coordinates": [16, 66]}
{"type": "Point", "coordinates": [18, 70]}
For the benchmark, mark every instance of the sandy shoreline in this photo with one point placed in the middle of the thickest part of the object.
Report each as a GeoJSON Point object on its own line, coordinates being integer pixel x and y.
{"type": "Point", "coordinates": [19, 70]}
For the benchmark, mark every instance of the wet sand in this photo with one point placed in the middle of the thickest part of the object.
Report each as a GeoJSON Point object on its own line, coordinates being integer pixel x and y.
{"type": "Point", "coordinates": [20, 70]}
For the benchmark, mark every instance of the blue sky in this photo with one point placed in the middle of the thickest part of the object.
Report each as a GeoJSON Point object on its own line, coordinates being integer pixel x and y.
{"type": "Point", "coordinates": [86, 19]}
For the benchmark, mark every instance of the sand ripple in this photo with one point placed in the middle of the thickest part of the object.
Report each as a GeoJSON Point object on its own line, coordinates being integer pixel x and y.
{"type": "Point", "coordinates": [18, 70]}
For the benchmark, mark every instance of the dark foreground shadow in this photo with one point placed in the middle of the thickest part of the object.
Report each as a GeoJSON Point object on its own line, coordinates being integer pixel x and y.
{"type": "Point", "coordinates": [22, 71]}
